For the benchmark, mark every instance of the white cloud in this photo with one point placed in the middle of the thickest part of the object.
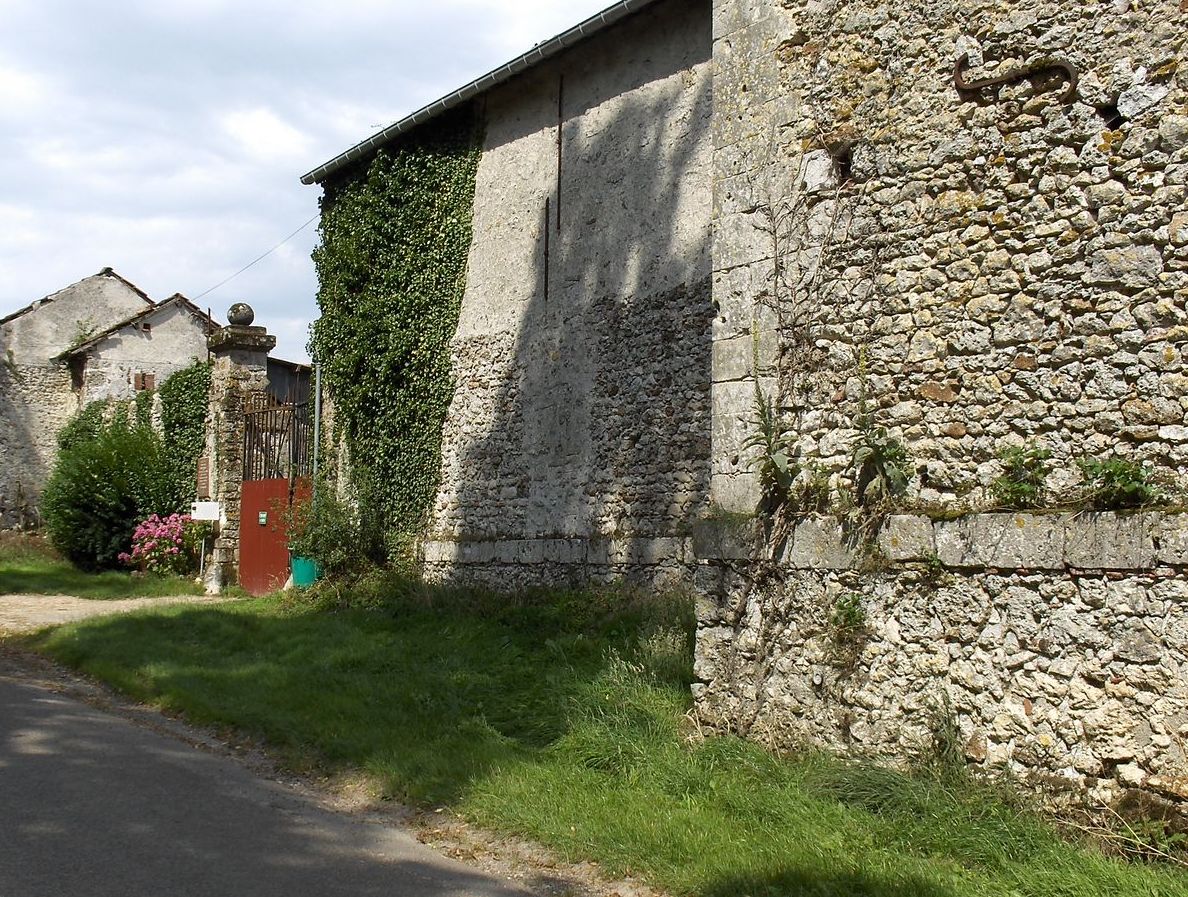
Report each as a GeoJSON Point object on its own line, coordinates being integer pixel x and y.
{"type": "Point", "coordinates": [263, 134]}
{"type": "Point", "coordinates": [21, 90]}
{"type": "Point", "coordinates": [167, 139]}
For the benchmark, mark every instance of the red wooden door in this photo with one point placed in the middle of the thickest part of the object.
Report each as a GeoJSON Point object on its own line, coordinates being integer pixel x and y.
{"type": "Point", "coordinates": [263, 542]}
{"type": "Point", "coordinates": [276, 467]}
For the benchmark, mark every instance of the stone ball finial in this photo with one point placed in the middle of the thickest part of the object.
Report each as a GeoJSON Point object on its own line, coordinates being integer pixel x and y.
{"type": "Point", "coordinates": [241, 314]}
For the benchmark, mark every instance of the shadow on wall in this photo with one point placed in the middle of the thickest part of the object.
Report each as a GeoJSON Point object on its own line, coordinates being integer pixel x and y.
{"type": "Point", "coordinates": [596, 420]}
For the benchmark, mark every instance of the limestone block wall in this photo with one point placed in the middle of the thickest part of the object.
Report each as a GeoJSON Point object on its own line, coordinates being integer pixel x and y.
{"type": "Point", "coordinates": [970, 268]}
{"type": "Point", "coordinates": [1057, 644]}
{"type": "Point", "coordinates": [68, 317]}
{"type": "Point", "coordinates": [582, 357]}
{"type": "Point", "coordinates": [36, 401]}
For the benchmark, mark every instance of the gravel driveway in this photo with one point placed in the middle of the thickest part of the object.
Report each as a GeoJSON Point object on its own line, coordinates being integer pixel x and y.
{"type": "Point", "coordinates": [27, 613]}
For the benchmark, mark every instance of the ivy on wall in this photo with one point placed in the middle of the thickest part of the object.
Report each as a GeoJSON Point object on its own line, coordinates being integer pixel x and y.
{"type": "Point", "coordinates": [391, 263]}
{"type": "Point", "coordinates": [185, 397]}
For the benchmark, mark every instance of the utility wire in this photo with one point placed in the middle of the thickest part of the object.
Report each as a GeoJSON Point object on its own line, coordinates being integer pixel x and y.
{"type": "Point", "coordinates": [259, 259]}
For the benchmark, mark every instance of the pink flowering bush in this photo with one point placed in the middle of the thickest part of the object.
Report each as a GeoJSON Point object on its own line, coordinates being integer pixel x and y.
{"type": "Point", "coordinates": [165, 545]}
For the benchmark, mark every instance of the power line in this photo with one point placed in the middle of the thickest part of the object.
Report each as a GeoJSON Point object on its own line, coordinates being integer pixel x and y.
{"type": "Point", "coordinates": [257, 260]}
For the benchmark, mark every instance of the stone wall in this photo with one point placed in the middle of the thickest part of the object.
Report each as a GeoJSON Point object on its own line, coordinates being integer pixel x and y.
{"type": "Point", "coordinates": [970, 268]}
{"type": "Point", "coordinates": [238, 379]}
{"type": "Point", "coordinates": [37, 393]}
{"type": "Point", "coordinates": [582, 356]}
{"type": "Point", "coordinates": [35, 403]}
{"type": "Point", "coordinates": [1057, 644]}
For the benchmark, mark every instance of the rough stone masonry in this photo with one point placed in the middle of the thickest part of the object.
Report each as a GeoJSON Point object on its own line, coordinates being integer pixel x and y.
{"type": "Point", "coordinates": [968, 268]}
{"type": "Point", "coordinates": [961, 222]}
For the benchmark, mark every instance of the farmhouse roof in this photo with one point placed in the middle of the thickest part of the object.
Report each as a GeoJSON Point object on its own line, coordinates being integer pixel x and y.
{"type": "Point", "coordinates": [208, 323]}
{"type": "Point", "coordinates": [106, 272]}
{"type": "Point", "coordinates": [493, 78]}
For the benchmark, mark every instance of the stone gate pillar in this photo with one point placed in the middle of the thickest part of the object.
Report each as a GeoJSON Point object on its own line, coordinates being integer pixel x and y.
{"type": "Point", "coordinates": [239, 375]}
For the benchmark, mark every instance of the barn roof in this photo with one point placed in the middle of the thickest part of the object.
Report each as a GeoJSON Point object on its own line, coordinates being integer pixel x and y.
{"type": "Point", "coordinates": [208, 323]}
{"type": "Point", "coordinates": [106, 272]}
{"type": "Point", "coordinates": [493, 78]}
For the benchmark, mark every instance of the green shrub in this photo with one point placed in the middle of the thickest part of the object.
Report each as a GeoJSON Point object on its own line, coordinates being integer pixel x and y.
{"type": "Point", "coordinates": [327, 529]}
{"type": "Point", "coordinates": [1118, 483]}
{"type": "Point", "coordinates": [1024, 469]}
{"type": "Point", "coordinates": [102, 487]}
{"type": "Point", "coordinates": [83, 427]}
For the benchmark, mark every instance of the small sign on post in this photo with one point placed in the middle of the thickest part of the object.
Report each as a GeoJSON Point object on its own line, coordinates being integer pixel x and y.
{"type": "Point", "coordinates": [206, 511]}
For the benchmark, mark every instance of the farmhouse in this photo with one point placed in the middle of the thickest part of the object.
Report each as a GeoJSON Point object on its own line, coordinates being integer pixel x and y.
{"type": "Point", "coordinates": [102, 338]}
{"type": "Point", "coordinates": [836, 261]}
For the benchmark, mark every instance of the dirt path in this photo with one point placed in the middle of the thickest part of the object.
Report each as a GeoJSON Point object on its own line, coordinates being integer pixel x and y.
{"type": "Point", "coordinates": [27, 613]}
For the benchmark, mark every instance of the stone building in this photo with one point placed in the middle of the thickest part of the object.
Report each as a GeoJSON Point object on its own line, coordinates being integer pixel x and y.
{"type": "Point", "coordinates": [99, 339]}
{"type": "Point", "coordinates": [948, 227]}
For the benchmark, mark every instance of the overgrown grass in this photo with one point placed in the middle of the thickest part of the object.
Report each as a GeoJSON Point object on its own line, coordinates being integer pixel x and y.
{"type": "Point", "coordinates": [29, 566]}
{"type": "Point", "coordinates": [563, 718]}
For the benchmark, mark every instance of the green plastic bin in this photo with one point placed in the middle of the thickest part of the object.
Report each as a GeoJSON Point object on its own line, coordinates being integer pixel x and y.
{"type": "Point", "coordinates": [305, 572]}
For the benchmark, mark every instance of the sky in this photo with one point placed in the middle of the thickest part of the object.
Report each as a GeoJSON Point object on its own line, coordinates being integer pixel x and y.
{"type": "Point", "coordinates": [166, 138]}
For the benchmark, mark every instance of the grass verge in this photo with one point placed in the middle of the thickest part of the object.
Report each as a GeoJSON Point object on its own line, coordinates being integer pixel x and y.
{"type": "Point", "coordinates": [563, 718]}
{"type": "Point", "coordinates": [28, 566]}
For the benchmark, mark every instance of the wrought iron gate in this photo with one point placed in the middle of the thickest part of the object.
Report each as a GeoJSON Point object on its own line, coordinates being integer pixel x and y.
{"type": "Point", "coordinates": [277, 441]}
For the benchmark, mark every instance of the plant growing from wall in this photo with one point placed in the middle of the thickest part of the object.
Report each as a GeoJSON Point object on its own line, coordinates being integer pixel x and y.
{"type": "Point", "coordinates": [848, 629]}
{"type": "Point", "coordinates": [1021, 485]}
{"type": "Point", "coordinates": [881, 470]}
{"type": "Point", "coordinates": [395, 235]}
{"type": "Point", "coordinates": [1114, 484]}
{"type": "Point", "coordinates": [777, 469]}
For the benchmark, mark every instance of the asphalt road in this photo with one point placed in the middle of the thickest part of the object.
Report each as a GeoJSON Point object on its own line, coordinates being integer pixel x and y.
{"type": "Point", "coordinates": [93, 804]}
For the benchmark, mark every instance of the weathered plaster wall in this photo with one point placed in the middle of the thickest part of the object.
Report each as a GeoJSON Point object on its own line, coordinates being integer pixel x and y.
{"type": "Point", "coordinates": [979, 269]}
{"type": "Point", "coordinates": [175, 340]}
{"type": "Point", "coordinates": [582, 356]}
{"type": "Point", "coordinates": [67, 317]}
{"type": "Point", "coordinates": [1057, 643]}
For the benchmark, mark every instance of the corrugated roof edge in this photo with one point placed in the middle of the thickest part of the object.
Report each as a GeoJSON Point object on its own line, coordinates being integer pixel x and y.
{"type": "Point", "coordinates": [493, 78]}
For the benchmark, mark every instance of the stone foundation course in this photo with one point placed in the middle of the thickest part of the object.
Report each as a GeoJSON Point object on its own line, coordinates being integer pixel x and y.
{"type": "Point", "coordinates": [1055, 644]}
